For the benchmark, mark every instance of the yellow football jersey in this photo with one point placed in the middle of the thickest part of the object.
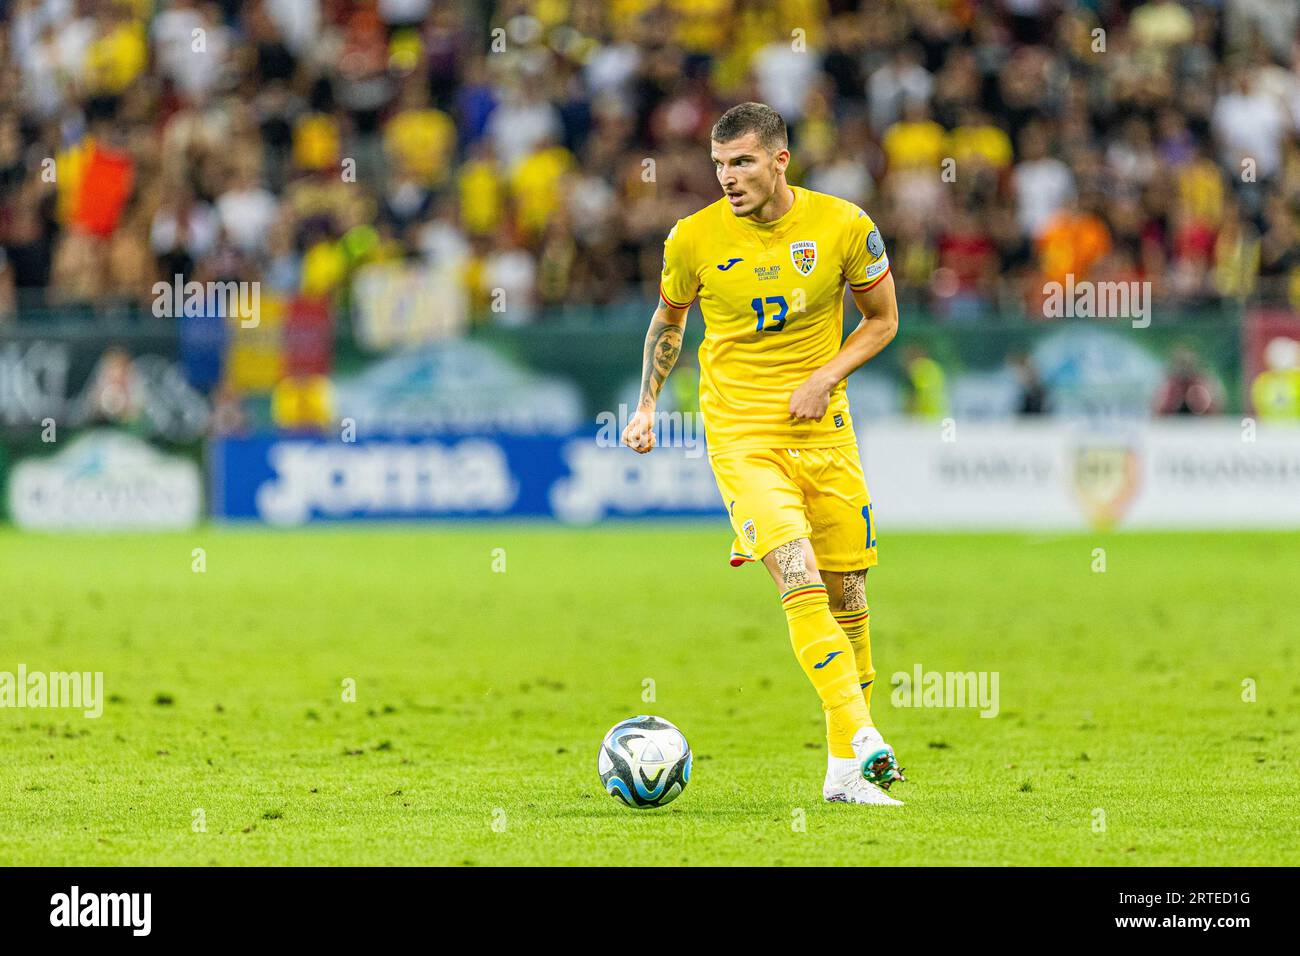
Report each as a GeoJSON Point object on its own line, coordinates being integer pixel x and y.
{"type": "Point", "coordinates": [772, 295]}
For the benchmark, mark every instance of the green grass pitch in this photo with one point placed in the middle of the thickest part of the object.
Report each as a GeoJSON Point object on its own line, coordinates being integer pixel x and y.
{"type": "Point", "coordinates": [481, 696]}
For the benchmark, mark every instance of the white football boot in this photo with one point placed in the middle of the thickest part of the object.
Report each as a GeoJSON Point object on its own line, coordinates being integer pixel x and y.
{"type": "Point", "coordinates": [854, 779]}
{"type": "Point", "coordinates": [853, 788]}
{"type": "Point", "coordinates": [876, 758]}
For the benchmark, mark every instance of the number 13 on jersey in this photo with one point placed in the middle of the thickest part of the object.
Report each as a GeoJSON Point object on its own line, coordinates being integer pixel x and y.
{"type": "Point", "coordinates": [773, 323]}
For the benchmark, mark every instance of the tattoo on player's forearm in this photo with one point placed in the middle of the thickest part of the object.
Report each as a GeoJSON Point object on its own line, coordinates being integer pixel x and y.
{"type": "Point", "coordinates": [663, 343]}
{"type": "Point", "coordinates": [855, 590]}
{"type": "Point", "coordinates": [789, 558]}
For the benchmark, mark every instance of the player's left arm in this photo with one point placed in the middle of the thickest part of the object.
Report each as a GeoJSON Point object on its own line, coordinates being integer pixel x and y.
{"type": "Point", "coordinates": [879, 325]}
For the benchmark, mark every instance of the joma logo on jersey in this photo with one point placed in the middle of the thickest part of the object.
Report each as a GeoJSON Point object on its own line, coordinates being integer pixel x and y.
{"type": "Point", "coordinates": [804, 256]}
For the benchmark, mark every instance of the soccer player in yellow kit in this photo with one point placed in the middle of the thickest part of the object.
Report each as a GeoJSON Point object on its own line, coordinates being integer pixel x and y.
{"type": "Point", "coordinates": [768, 263]}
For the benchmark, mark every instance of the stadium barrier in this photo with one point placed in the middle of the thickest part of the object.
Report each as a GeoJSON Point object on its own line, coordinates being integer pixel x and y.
{"type": "Point", "coordinates": [923, 475]}
{"type": "Point", "coordinates": [474, 430]}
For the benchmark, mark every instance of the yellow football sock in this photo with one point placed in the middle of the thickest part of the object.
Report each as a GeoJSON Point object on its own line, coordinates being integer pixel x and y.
{"type": "Point", "coordinates": [857, 628]}
{"type": "Point", "coordinates": [826, 657]}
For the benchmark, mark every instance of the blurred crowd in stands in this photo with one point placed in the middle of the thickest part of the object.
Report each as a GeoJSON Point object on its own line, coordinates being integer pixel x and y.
{"type": "Point", "coordinates": [546, 147]}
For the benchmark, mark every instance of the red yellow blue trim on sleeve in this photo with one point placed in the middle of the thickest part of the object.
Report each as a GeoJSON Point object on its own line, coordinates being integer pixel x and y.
{"type": "Point", "coordinates": [675, 305]}
{"type": "Point", "coordinates": [866, 287]}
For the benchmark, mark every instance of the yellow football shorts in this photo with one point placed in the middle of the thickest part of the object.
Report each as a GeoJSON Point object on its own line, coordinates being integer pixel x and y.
{"type": "Point", "coordinates": [781, 494]}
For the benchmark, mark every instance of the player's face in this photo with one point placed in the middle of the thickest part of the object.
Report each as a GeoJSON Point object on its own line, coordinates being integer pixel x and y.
{"type": "Point", "coordinates": [747, 173]}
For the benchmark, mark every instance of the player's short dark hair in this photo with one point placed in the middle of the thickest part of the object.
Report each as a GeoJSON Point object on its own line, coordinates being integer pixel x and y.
{"type": "Point", "coordinates": [758, 118]}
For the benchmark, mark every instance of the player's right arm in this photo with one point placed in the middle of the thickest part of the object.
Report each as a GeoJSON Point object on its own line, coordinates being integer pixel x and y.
{"type": "Point", "coordinates": [678, 286]}
{"type": "Point", "coordinates": [663, 344]}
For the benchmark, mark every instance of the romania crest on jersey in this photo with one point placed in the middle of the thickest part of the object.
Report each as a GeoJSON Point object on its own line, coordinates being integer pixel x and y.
{"type": "Point", "coordinates": [804, 256]}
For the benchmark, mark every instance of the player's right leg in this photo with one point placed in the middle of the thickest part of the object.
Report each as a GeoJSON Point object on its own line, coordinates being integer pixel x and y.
{"type": "Point", "coordinates": [768, 513]}
{"type": "Point", "coordinates": [827, 658]}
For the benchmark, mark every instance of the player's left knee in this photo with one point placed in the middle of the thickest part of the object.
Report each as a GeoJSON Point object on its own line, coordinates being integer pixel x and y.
{"type": "Point", "coordinates": [855, 591]}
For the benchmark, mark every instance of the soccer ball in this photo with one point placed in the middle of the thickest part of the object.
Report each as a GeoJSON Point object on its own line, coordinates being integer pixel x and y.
{"type": "Point", "coordinates": [645, 762]}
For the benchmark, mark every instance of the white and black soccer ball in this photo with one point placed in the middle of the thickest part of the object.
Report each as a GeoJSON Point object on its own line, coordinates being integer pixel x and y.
{"type": "Point", "coordinates": [645, 762]}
